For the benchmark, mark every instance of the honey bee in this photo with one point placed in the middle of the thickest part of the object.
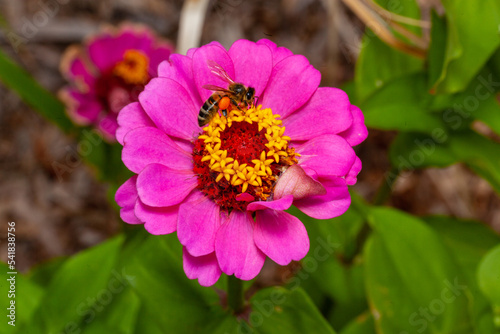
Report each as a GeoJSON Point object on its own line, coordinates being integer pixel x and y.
{"type": "Point", "coordinates": [237, 95]}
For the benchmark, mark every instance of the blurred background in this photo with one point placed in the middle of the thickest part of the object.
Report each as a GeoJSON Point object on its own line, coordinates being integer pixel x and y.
{"type": "Point", "coordinates": [59, 216]}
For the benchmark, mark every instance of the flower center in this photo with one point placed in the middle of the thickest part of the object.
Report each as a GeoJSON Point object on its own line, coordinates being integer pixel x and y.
{"type": "Point", "coordinates": [238, 158]}
{"type": "Point", "coordinates": [133, 69]}
{"type": "Point", "coordinates": [122, 84]}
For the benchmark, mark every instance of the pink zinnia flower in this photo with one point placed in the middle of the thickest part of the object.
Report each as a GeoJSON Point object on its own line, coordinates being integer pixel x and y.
{"type": "Point", "coordinates": [224, 187]}
{"type": "Point", "coordinates": [108, 72]}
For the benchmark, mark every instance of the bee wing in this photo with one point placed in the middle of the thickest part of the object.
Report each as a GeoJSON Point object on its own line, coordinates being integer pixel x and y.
{"type": "Point", "coordinates": [216, 88]}
{"type": "Point", "coordinates": [217, 70]}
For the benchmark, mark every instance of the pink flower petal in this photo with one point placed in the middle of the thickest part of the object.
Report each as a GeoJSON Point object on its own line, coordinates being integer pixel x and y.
{"type": "Point", "coordinates": [292, 83]}
{"type": "Point", "coordinates": [156, 56]}
{"type": "Point", "coordinates": [170, 107]}
{"type": "Point", "coordinates": [351, 178]}
{"type": "Point", "coordinates": [281, 236]}
{"type": "Point", "coordinates": [199, 220]}
{"type": "Point", "coordinates": [202, 73]}
{"type": "Point", "coordinates": [333, 204]}
{"type": "Point", "coordinates": [205, 268]}
{"type": "Point", "coordinates": [83, 109]}
{"type": "Point", "coordinates": [157, 221]}
{"type": "Point", "coordinates": [279, 53]}
{"type": "Point", "coordinates": [179, 68]}
{"type": "Point", "coordinates": [245, 197]}
{"type": "Point", "coordinates": [235, 248]}
{"type": "Point", "coordinates": [252, 64]}
{"type": "Point", "coordinates": [160, 186]}
{"type": "Point", "coordinates": [296, 182]}
{"type": "Point", "coordinates": [330, 105]}
{"type": "Point", "coordinates": [327, 155]}
{"type": "Point", "coordinates": [125, 197]}
{"type": "Point", "coordinates": [279, 204]}
{"type": "Point", "coordinates": [108, 125]}
{"type": "Point", "coordinates": [358, 131]}
{"type": "Point", "coordinates": [147, 145]}
{"type": "Point", "coordinates": [131, 117]}
{"type": "Point", "coordinates": [105, 50]}
{"type": "Point", "coordinates": [75, 69]}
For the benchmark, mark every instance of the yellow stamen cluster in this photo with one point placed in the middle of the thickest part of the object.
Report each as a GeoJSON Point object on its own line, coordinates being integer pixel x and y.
{"type": "Point", "coordinates": [243, 174]}
{"type": "Point", "coordinates": [133, 69]}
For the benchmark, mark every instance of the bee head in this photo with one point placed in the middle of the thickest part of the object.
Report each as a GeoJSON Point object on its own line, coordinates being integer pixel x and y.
{"type": "Point", "coordinates": [250, 94]}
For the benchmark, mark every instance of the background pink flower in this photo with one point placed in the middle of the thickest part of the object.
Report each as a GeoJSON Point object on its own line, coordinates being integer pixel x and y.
{"type": "Point", "coordinates": [108, 72]}
{"type": "Point", "coordinates": [223, 224]}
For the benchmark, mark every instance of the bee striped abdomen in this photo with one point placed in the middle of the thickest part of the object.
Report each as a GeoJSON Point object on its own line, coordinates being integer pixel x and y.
{"type": "Point", "coordinates": [207, 111]}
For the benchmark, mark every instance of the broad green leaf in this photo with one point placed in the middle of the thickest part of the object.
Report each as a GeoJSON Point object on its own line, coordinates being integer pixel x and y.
{"type": "Point", "coordinates": [468, 242]}
{"type": "Point", "coordinates": [480, 154]}
{"type": "Point", "coordinates": [43, 273]}
{"type": "Point", "coordinates": [378, 63]}
{"type": "Point", "coordinates": [477, 101]}
{"type": "Point", "coordinates": [472, 37]}
{"type": "Point", "coordinates": [410, 151]}
{"type": "Point", "coordinates": [118, 316]}
{"type": "Point", "coordinates": [17, 79]}
{"type": "Point", "coordinates": [279, 310]}
{"type": "Point", "coordinates": [25, 294]}
{"type": "Point", "coordinates": [414, 150]}
{"type": "Point", "coordinates": [401, 105]}
{"type": "Point", "coordinates": [437, 50]}
{"type": "Point", "coordinates": [412, 282]}
{"type": "Point", "coordinates": [161, 284]}
{"type": "Point", "coordinates": [363, 324]}
{"type": "Point", "coordinates": [82, 284]}
{"type": "Point", "coordinates": [489, 280]}
{"type": "Point", "coordinates": [329, 269]}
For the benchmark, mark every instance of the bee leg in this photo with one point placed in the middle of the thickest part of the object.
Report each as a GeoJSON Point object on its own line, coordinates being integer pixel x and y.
{"type": "Point", "coordinates": [224, 112]}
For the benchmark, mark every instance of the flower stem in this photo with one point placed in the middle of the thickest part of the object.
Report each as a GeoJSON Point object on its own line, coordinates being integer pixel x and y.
{"type": "Point", "coordinates": [235, 294]}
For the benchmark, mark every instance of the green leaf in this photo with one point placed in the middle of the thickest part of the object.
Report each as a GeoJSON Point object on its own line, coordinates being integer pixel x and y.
{"type": "Point", "coordinates": [119, 317]}
{"type": "Point", "coordinates": [43, 273]}
{"type": "Point", "coordinates": [401, 105]}
{"type": "Point", "coordinates": [161, 284]}
{"type": "Point", "coordinates": [363, 324]}
{"type": "Point", "coordinates": [410, 151]}
{"type": "Point", "coordinates": [79, 288]}
{"type": "Point", "coordinates": [378, 63]}
{"type": "Point", "coordinates": [412, 282]}
{"type": "Point", "coordinates": [26, 296]}
{"type": "Point", "coordinates": [471, 40]}
{"type": "Point", "coordinates": [489, 280]}
{"type": "Point", "coordinates": [436, 54]}
{"type": "Point", "coordinates": [480, 154]}
{"type": "Point", "coordinates": [468, 242]}
{"type": "Point", "coordinates": [279, 310]}
{"type": "Point", "coordinates": [17, 79]}
{"type": "Point", "coordinates": [414, 150]}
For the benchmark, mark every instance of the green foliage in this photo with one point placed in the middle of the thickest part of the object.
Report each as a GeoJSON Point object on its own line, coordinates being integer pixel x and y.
{"type": "Point", "coordinates": [470, 40]}
{"type": "Point", "coordinates": [412, 282]}
{"type": "Point", "coordinates": [32, 93]}
{"type": "Point", "coordinates": [489, 278]}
